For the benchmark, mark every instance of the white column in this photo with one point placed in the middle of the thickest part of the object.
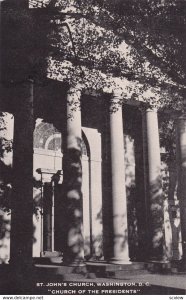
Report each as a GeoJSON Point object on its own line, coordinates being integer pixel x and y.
{"type": "Point", "coordinates": [181, 163]}
{"type": "Point", "coordinates": [156, 217]}
{"type": "Point", "coordinates": [72, 168]}
{"type": "Point", "coordinates": [74, 119]}
{"type": "Point", "coordinates": [119, 201]}
{"type": "Point", "coordinates": [145, 170]}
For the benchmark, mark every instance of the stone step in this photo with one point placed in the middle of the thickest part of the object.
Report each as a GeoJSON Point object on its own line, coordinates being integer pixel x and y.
{"type": "Point", "coordinates": [178, 267]}
{"type": "Point", "coordinates": [63, 272]}
{"type": "Point", "coordinates": [63, 269]}
{"type": "Point", "coordinates": [125, 274]}
{"type": "Point", "coordinates": [52, 266]}
{"type": "Point", "coordinates": [103, 266]}
{"type": "Point", "coordinates": [89, 270]}
{"type": "Point", "coordinates": [158, 266]}
{"type": "Point", "coordinates": [50, 260]}
{"type": "Point", "coordinates": [113, 270]}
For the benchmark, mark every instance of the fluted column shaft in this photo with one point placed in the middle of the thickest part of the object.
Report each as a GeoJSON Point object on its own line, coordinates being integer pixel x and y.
{"type": "Point", "coordinates": [156, 219]}
{"type": "Point", "coordinates": [181, 163]}
{"type": "Point", "coordinates": [119, 201]}
{"type": "Point", "coordinates": [72, 168]}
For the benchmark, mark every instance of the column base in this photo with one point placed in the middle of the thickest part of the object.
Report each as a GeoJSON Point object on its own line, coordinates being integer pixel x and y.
{"type": "Point", "coordinates": [158, 266]}
{"type": "Point", "coordinates": [178, 266]}
{"type": "Point", "coordinates": [75, 263]}
{"type": "Point", "coordinates": [120, 261]}
{"type": "Point", "coordinates": [51, 254]}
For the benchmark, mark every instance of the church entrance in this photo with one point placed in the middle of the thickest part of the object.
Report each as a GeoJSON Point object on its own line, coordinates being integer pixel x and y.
{"type": "Point", "coordinates": [51, 223]}
{"type": "Point", "coordinates": [48, 175]}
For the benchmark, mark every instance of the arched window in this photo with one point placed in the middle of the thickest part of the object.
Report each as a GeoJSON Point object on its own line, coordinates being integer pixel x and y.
{"type": "Point", "coordinates": [47, 137]}
{"type": "Point", "coordinates": [53, 142]}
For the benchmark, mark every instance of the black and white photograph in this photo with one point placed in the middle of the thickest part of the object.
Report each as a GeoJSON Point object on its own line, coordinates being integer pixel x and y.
{"type": "Point", "coordinates": [92, 148]}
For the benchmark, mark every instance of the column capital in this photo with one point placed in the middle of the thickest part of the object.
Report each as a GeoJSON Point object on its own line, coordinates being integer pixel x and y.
{"type": "Point", "coordinates": [73, 100]}
{"type": "Point", "coordinates": [117, 93]}
{"type": "Point", "coordinates": [116, 100]}
{"type": "Point", "coordinates": [75, 89]}
{"type": "Point", "coordinates": [152, 109]}
{"type": "Point", "coordinates": [74, 92]}
{"type": "Point", "coordinates": [145, 109]}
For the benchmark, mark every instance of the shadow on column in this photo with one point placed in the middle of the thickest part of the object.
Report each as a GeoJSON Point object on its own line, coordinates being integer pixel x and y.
{"type": "Point", "coordinates": [72, 205]}
{"type": "Point", "coordinates": [106, 188]}
{"type": "Point", "coordinates": [156, 219]}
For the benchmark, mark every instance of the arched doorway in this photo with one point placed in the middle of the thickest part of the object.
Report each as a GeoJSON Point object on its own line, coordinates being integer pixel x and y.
{"type": "Point", "coordinates": [48, 174]}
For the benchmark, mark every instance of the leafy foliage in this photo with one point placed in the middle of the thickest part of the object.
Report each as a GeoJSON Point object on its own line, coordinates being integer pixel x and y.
{"type": "Point", "coordinates": [134, 45]}
{"type": "Point", "coordinates": [5, 144]}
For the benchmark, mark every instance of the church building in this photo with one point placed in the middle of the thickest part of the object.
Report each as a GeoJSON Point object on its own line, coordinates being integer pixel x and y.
{"type": "Point", "coordinates": [88, 177]}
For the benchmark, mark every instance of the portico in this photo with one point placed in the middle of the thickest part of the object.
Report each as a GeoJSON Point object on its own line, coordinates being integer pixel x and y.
{"type": "Point", "coordinates": [94, 187]}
